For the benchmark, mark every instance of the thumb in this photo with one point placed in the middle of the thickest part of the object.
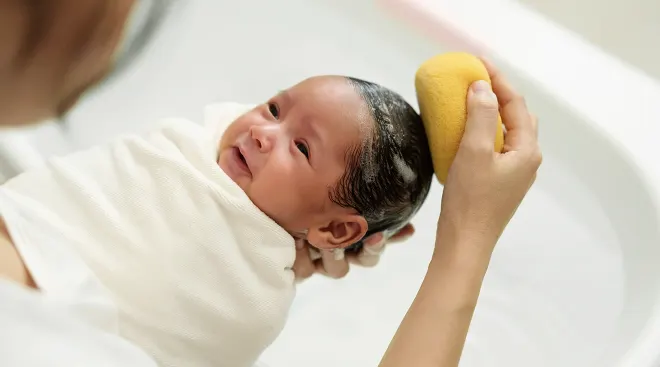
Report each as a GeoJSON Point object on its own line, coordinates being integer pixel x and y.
{"type": "Point", "coordinates": [482, 113]}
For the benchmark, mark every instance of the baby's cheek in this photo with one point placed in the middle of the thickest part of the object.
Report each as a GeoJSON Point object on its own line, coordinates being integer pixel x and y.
{"type": "Point", "coordinates": [276, 201]}
{"type": "Point", "coordinates": [280, 195]}
{"type": "Point", "coordinates": [282, 186]}
{"type": "Point", "coordinates": [227, 137]}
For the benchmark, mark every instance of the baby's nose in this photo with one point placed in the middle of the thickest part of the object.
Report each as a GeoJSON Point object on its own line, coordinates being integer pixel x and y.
{"type": "Point", "coordinates": [264, 136]}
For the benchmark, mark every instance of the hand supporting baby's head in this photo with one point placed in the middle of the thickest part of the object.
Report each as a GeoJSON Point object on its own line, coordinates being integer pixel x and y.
{"type": "Point", "coordinates": [332, 159]}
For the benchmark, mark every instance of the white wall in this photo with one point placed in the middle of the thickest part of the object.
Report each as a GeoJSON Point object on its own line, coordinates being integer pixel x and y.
{"type": "Point", "coordinates": [627, 29]}
{"type": "Point", "coordinates": [246, 51]}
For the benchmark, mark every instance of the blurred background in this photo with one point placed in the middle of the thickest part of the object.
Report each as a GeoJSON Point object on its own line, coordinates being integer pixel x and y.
{"type": "Point", "coordinates": [202, 51]}
{"type": "Point", "coordinates": [626, 29]}
{"type": "Point", "coordinates": [182, 55]}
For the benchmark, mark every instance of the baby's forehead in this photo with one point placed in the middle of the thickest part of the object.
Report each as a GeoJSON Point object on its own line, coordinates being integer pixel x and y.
{"type": "Point", "coordinates": [331, 96]}
{"type": "Point", "coordinates": [326, 87]}
{"type": "Point", "coordinates": [334, 106]}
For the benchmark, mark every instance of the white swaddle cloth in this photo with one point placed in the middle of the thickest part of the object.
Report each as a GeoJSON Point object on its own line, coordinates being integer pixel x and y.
{"type": "Point", "coordinates": [199, 275]}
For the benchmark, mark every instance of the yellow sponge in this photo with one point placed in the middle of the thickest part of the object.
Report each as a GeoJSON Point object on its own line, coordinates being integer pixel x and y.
{"type": "Point", "coordinates": [442, 83]}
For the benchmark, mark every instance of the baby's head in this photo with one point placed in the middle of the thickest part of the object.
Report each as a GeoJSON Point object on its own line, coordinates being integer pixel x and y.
{"type": "Point", "coordinates": [331, 159]}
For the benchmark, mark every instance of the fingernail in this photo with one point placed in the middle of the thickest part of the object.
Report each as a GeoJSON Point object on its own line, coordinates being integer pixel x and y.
{"type": "Point", "coordinates": [374, 239]}
{"type": "Point", "coordinates": [379, 244]}
{"type": "Point", "coordinates": [482, 87]}
{"type": "Point", "coordinates": [338, 254]}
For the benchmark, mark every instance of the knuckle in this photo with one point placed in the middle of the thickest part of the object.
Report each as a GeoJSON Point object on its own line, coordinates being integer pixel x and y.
{"type": "Point", "coordinates": [520, 99]}
{"type": "Point", "coordinates": [539, 158]}
{"type": "Point", "coordinates": [486, 104]}
{"type": "Point", "coordinates": [478, 147]}
{"type": "Point", "coordinates": [536, 158]}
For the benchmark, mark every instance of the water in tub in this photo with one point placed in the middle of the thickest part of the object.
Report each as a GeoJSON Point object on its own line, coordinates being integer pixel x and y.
{"type": "Point", "coordinates": [543, 302]}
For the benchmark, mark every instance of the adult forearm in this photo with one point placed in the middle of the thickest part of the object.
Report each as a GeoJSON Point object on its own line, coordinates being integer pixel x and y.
{"type": "Point", "coordinates": [481, 194]}
{"type": "Point", "coordinates": [433, 331]}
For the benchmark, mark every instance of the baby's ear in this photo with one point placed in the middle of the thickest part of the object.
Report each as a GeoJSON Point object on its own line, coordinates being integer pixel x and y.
{"type": "Point", "coordinates": [340, 233]}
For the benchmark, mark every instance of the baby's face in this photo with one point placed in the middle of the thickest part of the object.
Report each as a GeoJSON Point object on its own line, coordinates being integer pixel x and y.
{"type": "Point", "coordinates": [288, 154]}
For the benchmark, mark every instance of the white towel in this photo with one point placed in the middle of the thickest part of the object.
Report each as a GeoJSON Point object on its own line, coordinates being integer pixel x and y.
{"type": "Point", "coordinates": [200, 276]}
{"type": "Point", "coordinates": [37, 333]}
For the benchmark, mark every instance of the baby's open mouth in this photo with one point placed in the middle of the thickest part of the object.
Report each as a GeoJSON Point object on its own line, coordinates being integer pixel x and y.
{"type": "Point", "coordinates": [241, 157]}
{"type": "Point", "coordinates": [241, 161]}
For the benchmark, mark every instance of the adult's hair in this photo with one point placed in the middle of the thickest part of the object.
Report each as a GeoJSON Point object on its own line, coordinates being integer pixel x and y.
{"type": "Point", "coordinates": [51, 51]}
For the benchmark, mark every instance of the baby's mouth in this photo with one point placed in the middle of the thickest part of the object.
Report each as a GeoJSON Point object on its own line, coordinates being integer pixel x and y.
{"type": "Point", "coordinates": [242, 161]}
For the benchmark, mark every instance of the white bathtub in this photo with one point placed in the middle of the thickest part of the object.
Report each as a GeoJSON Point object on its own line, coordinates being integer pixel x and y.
{"type": "Point", "coordinates": [575, 279]}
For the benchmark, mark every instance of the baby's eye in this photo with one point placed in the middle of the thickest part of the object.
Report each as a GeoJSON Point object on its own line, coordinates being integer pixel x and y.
{"type": "Point", "coordinates": [303, 149]}
{"type": "Point", "coordinates": [272, 108]}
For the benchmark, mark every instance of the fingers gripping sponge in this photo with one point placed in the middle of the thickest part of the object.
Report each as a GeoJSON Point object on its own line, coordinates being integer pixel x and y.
{"type": "Point", "coordinates": [442, 83]}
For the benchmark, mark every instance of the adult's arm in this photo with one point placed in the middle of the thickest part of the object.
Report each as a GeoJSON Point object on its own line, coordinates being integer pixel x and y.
{"type": "Point", "coordinates": [482, 192]}
{"type": "Point", "coordinates": [434, 329]}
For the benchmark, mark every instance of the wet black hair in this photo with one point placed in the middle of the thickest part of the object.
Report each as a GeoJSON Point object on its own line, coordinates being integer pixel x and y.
{"type": "Point", "coordinates": [389, 175]}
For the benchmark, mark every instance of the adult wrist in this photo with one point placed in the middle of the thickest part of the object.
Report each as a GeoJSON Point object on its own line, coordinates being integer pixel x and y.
{"type": "Point", "coordinates": [460, 243]}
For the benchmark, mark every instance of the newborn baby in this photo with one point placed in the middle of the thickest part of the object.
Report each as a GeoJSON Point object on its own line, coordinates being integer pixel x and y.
{"type": "Point", "coordinates": [182, 241]}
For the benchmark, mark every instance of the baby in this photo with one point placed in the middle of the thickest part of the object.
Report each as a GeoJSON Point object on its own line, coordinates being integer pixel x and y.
{"type": "Point", "coordinates": [182, 241]}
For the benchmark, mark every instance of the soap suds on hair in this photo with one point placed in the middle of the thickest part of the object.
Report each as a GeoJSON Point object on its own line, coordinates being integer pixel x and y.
{"type": "Point", "coordinates": [405, 171]}
{"type": "Point", "coordinates": [377, 125]}
{"type": "Point", "coordinates": [366, 151]}
{"type": "Point", "coordinates": [385, 108]}
{"type": "Point", "coordinates": [391, 171]}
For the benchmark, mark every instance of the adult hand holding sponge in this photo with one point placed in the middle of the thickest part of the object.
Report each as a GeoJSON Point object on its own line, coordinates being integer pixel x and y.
{"type": "Point", "coordinates": [442, 84]}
